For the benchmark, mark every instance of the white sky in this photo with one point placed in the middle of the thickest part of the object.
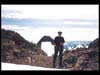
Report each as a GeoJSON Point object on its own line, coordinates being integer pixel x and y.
{"type": "Point", "coordinates": [52, 11]}
{"type": "Point", "coordinates": [86, 12]}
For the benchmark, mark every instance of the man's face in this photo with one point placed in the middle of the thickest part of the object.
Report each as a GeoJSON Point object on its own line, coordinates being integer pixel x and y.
{"type": "Point", "coordinates": [59, 34]}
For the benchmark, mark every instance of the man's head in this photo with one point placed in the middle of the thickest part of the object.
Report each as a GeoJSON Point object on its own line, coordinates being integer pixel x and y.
{"type": "Point", "coordinates": [59, 33]}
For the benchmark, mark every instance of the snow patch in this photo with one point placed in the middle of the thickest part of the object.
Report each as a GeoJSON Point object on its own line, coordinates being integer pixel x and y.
{"type": "Point", "coordinates": [9, 66]}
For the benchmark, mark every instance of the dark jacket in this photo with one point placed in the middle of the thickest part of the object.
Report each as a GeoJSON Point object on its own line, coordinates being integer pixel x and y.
{"type": "Point", "coordinates": [58, 40]}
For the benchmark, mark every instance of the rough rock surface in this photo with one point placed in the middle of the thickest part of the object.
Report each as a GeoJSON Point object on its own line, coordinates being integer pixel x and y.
{"type": "Point", "coordinates": [45, 39]}
{"type": "Point", "coordinates": [82, 58]}
{"type": "Point", "coordinates": [15, 49]}
{"type": "Point", "coordinates": [94, 44]}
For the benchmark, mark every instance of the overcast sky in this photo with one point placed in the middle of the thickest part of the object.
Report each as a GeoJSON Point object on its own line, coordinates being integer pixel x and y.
{"type": "Point", "coordinates": [77, 22]}
{"type": "Point", "coordinates": [51, 11]}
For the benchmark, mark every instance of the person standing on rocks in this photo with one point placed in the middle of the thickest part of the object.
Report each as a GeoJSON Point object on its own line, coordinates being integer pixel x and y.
{"type": "Point", "coordinates": [59, 41]}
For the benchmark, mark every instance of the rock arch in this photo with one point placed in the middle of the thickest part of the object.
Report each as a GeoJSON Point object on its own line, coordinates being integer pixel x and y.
{"type": "Point", "coordinates": [45, 39]}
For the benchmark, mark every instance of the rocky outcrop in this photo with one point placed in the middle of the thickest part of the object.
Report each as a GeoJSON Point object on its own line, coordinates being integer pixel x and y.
{"type": "Point", "coordinates": [83, 58]}
{"type": "Point", "coordinates": [45, 39]}
{"type": "Point", "coordinates": [15, 49]}
{"type": "Point", "coordinates": [94, 44]}
{"type": "Point", "coordinates": [17, 39]}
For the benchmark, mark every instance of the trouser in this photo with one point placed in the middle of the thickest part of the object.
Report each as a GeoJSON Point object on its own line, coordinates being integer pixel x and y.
{"type": "Point", "coordinates": [58, 49]}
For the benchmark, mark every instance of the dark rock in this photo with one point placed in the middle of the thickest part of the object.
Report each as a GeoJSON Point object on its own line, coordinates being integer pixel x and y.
{"type": "Point", "coordinates": [87, 58]}
{"type": "Point", "coordinates": [94, 44]}
{"type": "Point", "coordinates": [70, 60]}
{"type": "Point", "coordinates": [15, 49]}
{"type": "Point", "coordinates": [45, 39]}
{"type": "Point", "coordinates": [17, 39]}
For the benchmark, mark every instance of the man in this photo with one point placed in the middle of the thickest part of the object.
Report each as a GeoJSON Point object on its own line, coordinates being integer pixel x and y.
{"type": "Point", "coordinates": [59, 41]}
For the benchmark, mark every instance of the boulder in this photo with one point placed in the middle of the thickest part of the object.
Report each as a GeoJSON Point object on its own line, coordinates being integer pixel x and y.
{"type": "Point", "coordinates": [94, 44]}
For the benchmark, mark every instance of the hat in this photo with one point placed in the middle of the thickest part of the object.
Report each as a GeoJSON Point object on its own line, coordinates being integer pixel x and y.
{"type": "Point", "coordinates": [59, 32]}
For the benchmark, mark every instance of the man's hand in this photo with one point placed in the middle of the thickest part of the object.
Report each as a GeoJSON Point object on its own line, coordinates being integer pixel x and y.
{"type": "Point", "coordinates": [54, 44]}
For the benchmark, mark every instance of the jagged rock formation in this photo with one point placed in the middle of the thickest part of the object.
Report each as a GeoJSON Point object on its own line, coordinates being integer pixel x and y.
{"type": "Point", "coordinates": [17, 39]}
{"type": "Point", "coordinates": [15, 49]}
{"type": "Point", "coordinates": [82, 58]}
{"type": "Point", "coordinates": [94, 44]}
{"type": "Point", "coordinates": [45, 39]}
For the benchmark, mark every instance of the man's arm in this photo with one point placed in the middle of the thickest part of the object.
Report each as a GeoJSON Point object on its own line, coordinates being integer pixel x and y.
{"type": "Point", "coordinates": [55, 41]}
{"type": "Point", "coordinates": [63, 41]}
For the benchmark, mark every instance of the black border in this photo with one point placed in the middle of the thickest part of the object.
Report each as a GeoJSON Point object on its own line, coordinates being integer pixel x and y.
{"type": "Point", "coordinates": [49, 1]}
